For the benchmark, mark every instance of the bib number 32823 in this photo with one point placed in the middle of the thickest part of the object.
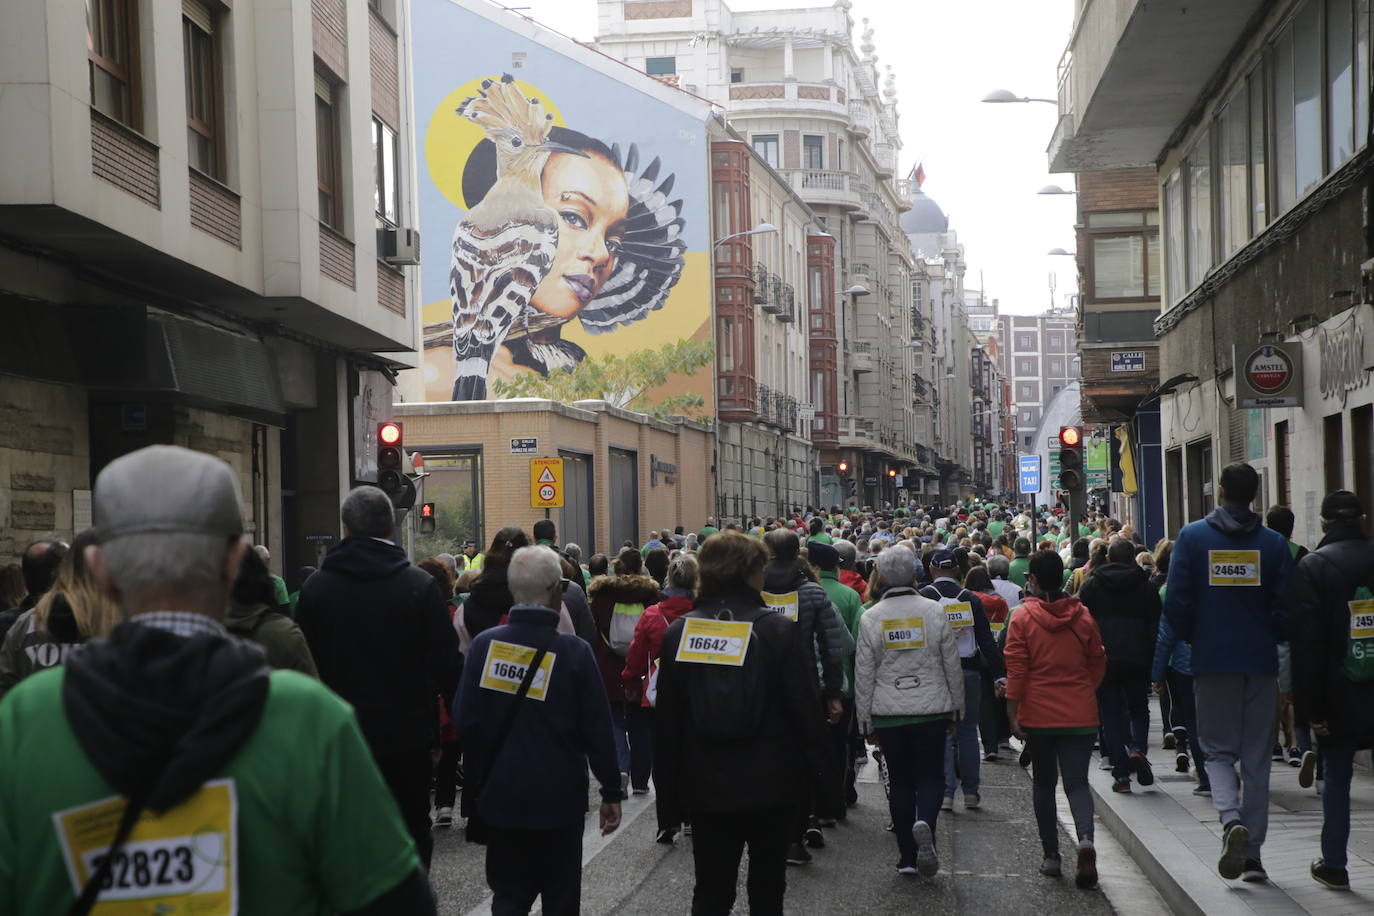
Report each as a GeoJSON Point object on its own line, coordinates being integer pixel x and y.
{"type": "Point", "coordinates": [184, 860]}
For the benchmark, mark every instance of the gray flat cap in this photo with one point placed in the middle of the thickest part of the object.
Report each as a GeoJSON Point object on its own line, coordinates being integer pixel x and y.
{"type": "Point", "coordinates": [166, 489]}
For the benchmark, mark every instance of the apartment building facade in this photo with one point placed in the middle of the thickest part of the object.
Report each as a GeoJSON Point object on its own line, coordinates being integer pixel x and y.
{"type": "Point", "coordinates": [1040, 360]}
{"type": "Point", "coordinates": [1258, 133]}
{"type": "Point", "coordinates": [818, 110]}
{"type": "Point", "coordinates": [203, 241]}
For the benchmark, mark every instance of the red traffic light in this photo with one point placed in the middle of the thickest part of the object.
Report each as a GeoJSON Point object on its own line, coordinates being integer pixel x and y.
{"type": "Point", "coordinates": [389, 433]}
{"type": "Point", "coordinates": [891, 472]}
{"type": "Point", "coordinates": [844, 467]}
{"type": "Point", "coordinates": [426, 510]}
{"type": "Point", "coordinates": [1070, 436]}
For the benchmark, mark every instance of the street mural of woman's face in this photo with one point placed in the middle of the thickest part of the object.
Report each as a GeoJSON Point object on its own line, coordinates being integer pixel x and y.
{"type": "Point", "coordinates": [592, 202]}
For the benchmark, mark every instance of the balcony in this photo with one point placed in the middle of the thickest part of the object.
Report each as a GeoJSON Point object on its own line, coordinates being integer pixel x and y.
{"type": "Point", "coordinates": [862, 356]}
{"type": "Point", "coordinates": [885, 154]}
{"type": "Point", "coordinates": [860, 118]}
{"type": "Point", "coordinates": [823, 186]}
{"type": "Point", "coordinates": [1110, 116]}
{"type": "Point", "coordinates": [774, 303]}
{"type": "Point", "coordinates": [788, 313]}
{"type": "Point", "coordinates": [792, 94]}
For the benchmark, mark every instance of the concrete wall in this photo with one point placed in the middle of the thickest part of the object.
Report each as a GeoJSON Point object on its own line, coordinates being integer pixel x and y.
{"type": "Point", "coordinates": [44, 458]}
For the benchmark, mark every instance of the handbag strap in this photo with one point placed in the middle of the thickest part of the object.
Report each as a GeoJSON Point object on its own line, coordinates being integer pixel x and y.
{"type": "Point", "coordinates": [86, 901]}
{"type": "Point", "coordinates": [503, 731]}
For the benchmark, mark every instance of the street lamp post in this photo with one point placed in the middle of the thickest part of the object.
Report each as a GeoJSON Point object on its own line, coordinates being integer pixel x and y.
{"type": "Point", "coordinates": [1004, 96]}
{"type": "Point", "coordinates": [760, 229]}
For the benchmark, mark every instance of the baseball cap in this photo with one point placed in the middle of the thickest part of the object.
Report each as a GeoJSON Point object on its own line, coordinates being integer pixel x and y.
{"type": "Point", "coordinates": [1341, 504]}
{"type": "Point", "coordinates": [944, 558]}
{"type": "Point", "coordinates": [823, 555]}
{"type": "Point", "coordinates": [166, 489]}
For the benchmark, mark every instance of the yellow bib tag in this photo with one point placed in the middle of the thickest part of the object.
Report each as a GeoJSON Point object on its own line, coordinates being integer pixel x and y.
{"type": "Point", "coordinates": [959, 614]}
{"type": "Point", "coordinates": [714, 642]}
{"type": "Point", "coordinates": [506, 666]}
{"type": "Point", "coordinates": [997, 627]}
{"type": "Point", "coordinates": [787, 604]}
{"type": "Point", "coordinates": [1362, 619]}
{"type": "Point", "coordinates": [181, 861]}
{"type": "Point", "coordinates": [1233, 567]}
{"type": "Point", "coordinates": [904, 633]}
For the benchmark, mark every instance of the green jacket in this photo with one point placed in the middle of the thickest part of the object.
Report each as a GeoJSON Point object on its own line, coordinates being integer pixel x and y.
{"type": "Point", "coordinates": [280, 637]}
{"type": "Point", "coordinates": [850, 609]}
{"type": "Point", "coordinates": [1018, 569]}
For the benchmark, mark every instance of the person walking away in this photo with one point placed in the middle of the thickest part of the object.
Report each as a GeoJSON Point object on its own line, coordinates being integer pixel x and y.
{"type": "Point", "coordinates": [839, 793]}
{"type": "Point", "coordinates": [1226, 595]}
{"type": "Point", "coordinates": [490, 599]}
{"type": "Point", "coordinates": [1021, 562]}
{"type": "Point", "coordinates": [253, 616]}
{"type": "Point", "coordinates": [382, 640]}
{"type": "Point", "coordinates": [170, 721]}
{"type": "Point", "coordinates": [1294, 740]}
{"type": "Point", "coordinates": [1172, 673]}
{"type": "Point", "coordinates": [737, 735]}
{"type": "Point", "coordinates": [640, 676]}
{"type": "Point", "coordinates": [1333, 665]}
{"type": "Point", "coordinates": [789, 587]}
{"type": "Point", "coordinates": [74, 610]}
{"type": "Point", "coordinates": [1158, 578]}
{"type": "Point", "coordinates": [532, 712]}
{"type": "Point", "coordinates": [999, 570]}
{"type": "Point", "coordinates": [446, 767]}
{"type": "Point", "coordinates": [909, 692]}
{"type": "Point", "coordinates": [992, 720]}
{"type": "Point", "coordinates": [39, 568]}
{"type": "Point", "coordinates": [973, 636]}
{"type": "Point", "coordinates": [1126, 610]}
{"type": "Point", "coordinates": [1055, 661]}
{"type": "Point", "coordinates": [618, 604]}
{"type": "Point", "coordinates": [849, 575]}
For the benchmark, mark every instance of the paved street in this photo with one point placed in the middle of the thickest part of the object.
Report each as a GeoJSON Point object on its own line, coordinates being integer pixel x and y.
{"type": "Point", "coordinates": [989, 862]}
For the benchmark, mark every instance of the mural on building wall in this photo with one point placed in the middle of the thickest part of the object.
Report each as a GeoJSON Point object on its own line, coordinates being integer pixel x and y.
{"type": "Point", "coordinates": [571, 208]}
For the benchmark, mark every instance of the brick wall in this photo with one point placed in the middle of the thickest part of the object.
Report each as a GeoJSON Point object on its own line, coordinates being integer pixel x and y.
{"type": "Point", "coordinates": [657, 9]}
{"type": "Point", "coordinates": [336, 257]}
{"type": "Point", "coordinates": [391, 289]}
{"type": "Point", "coordinates": [124, 159]}
{"type": "Point", "coordinates": [329, 34]}
{"type": "Point", "coordinates": [386, 87]}
{"type": "Point", "coordinates": [45, 456]}
{"type": "Point", "coordinates": [1118, 189]}
{"type": "Point", "coordinates": [215, 209]}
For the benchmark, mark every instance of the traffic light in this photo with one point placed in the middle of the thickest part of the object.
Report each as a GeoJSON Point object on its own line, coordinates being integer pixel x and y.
{"type": "Point", "coordinates": [426, 518]}
{"type": "Point", "coordinates": [892, 473]}
{"type": "Point", "coordinates": [844, 467]}
{"type": "Point", "coordinates": [390, 466]}
{"type": "Point", "coordinates": [1071, 458]}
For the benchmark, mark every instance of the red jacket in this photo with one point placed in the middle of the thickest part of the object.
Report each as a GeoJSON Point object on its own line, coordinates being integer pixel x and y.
{"type": "Point", "coordinates": [1055, 661]}
{"type": "Point", "coordinates": [855, 581]}
{"type": "Point", "coordinates": [994, 605]}
{"type": "Point", "coordinates": [648, 640]}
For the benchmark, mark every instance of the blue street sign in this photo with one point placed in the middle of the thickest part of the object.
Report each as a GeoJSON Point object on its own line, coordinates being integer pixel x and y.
{"type": "Point", "coordinates": [1030, 473]}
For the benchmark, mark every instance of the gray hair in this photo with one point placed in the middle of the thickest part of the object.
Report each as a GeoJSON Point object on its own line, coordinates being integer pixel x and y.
{"type": "Point", "coordinates": [532, 572]}
{"type": "Point", "coordinates": [896, 566]}
{"type": "Point", "coordinates": [999, 567]}
{"type": "Point", "coordinates": [684, 573]}
{"type": "Point", "coordinates": [368, 511]}
{"type": "Point", "coordinates": [574, 553]}
{"type": "Point", "coordinates": [144, 565]}
{"type": "Point", "coordinates": [448, 560]}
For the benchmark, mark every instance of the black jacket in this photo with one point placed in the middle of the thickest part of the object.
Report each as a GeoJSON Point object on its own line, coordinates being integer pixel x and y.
{"type": "Point", "coordinates": [1127, 610]}
{"type": "Point", "coordinates": [382, 640]}
{"type": "Point", "coordinates": [821, 626]}
{"type": "Point", "coordinates": [1320, 619]}
{"type": "Point", "coordinates": [778, 762]}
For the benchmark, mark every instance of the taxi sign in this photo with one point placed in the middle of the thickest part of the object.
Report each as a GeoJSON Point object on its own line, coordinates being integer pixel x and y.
{"type": "Point", "coordinates": [546, 483]}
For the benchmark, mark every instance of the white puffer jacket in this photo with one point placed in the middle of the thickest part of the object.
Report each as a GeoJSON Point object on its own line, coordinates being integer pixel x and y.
{"type": "Point", "coordinates": [892, 681]}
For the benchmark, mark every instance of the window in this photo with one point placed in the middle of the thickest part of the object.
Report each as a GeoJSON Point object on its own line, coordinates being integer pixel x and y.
{"type": "Point", "coordinates": [387, 193]}
{"type": "Point", "coordinates": [1023, 342]}
{"type": "Point", "coordinates": [1025, 367]}
{"type": "Point", "coordinates": [839, 155]}
{"type": "Point", "coordinates": [1233, 179]}
{"type": "Point", "coordinates": [1027, 441]}
{"type": "Point", "coordinates": [112, 58]}
{"type": "Point", "coordinates": [1176, 219]}
{"type": "Point", "coordinates": [1199, 170]}
{"type": "Point", "coordinates": [204, 109]}
{"type": "Point", "coordinates": [660, 66]}
{"type": "Point", "coordinates": [1259, 183]}
{"type": "Point", "coordinates": [736, 75]}
{"type": "Point", "coordinates": [1297, 106]}
{"type": "Point", "coordinates": [1056, 343]}
{"type": "Point", "coordinates": [1340, 84]}
{"type": "Point", "coordinates": [813, 152]}
{"type": "Point", "coordinates": [1125, 266]}
{"type": "Point", "coordinates": [328, 165]}
{"type": "Point", "coordinates": [1027, 417]}
{"type": "Point", "coordinates": [766, 145]}
{"type": "Point", "coordinates": [1283, 463]}
{"type": "Point", "coordinates": [1333, 452]}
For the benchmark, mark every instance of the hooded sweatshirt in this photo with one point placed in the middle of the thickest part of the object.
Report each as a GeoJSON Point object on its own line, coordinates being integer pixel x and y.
{"type": "Point", "coordinates": [1126, 608]}
{"type": "Point", "coordinates": [1055, 661]}
{"type": "Point", "coordinates": [382, 640]}
{"type": "Point", "coordinates": [1227, 592]}
{"type": "Point", "coordinates": [277, 634]}
{"type": "Point", "coordinates": [648, 639]}
{"type": "Point", "coordinates": [821, 627]}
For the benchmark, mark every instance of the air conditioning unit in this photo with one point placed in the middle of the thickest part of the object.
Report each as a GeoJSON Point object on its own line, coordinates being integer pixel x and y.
{"type": "Point", "coordinates": [398, 246]}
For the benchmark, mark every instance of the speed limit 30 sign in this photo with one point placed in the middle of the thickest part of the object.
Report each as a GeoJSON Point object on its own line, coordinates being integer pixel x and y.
{"type": "Point", "coordinates": [546, 483]}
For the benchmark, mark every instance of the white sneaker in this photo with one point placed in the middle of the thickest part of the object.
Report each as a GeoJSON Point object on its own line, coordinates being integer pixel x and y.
{"type": "Point", "coordinates": [927, 860]}
{"type": "Point", "coordinates": [443, 818]}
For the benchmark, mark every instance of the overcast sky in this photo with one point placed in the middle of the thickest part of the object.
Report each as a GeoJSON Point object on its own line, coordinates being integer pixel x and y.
{"type": "Point", "coordinates": [983, 163]}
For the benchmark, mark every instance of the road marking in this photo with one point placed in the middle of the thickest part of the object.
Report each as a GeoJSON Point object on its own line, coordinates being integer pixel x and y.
{"type": "Point", "coordinates": [593, 843]}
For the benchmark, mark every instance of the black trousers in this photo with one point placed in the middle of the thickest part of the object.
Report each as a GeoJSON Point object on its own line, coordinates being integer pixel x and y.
{"type": "Point", "coordinates": [407, 775]}
{"type": "Point", "coordinates": [523, 865]}
{"type": "Point", "coordinates": [718, 840]}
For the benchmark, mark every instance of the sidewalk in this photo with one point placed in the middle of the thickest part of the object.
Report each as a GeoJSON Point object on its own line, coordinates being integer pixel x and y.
{"type": "Point", "coordinates": [1175, 838]}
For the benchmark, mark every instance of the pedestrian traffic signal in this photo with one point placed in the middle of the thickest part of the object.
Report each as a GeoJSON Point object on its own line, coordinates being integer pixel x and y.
{"type": "Point", "coordinates": [1071, 458]}
{"type": "Point", "coordinates": [844, 467]}
{"type": "Point", "coordinates": [389, 475]}
{"type": "Point", "coordinates": [426, 518]}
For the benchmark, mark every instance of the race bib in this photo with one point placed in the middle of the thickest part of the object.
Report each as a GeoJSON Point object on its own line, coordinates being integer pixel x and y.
{"type": "Point", "coordinates": [997, 627]}
{"type": "Point", "coordinates": [714, 642]}
{"type": "Point", "coordinates": [1362, 619]}
{"type": "Point", "coordinates": [1233, 567]}
{"type": "Point", "coordinates": [181, 861]}
{"type": "Point", "coordinates": [904, 633]}
{"type": "Point", "coordinates": [787, 604]}
{"type": "Point", "coordinates": [959, 614]}
{"type": "Point", "coordinates": [506, 666]}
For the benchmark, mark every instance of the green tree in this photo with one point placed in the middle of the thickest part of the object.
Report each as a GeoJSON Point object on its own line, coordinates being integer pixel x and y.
{"type": "Point", "coordinates": [624, 381]}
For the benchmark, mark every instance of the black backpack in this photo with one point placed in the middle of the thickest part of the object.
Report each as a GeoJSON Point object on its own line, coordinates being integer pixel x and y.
{"type": "Point", "coordinates": [729, 703]}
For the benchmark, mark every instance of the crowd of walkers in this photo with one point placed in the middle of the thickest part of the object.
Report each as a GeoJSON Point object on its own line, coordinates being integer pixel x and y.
{"type": "Point", "coordinates": [743, 674]}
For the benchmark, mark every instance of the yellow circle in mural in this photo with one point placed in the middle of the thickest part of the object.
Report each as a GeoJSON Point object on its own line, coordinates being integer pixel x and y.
{"type": "Point", "coordinates": [450, 138]}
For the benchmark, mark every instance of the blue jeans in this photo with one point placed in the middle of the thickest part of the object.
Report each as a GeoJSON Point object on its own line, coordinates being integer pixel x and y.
{"type": "Point", "coordinates": [1125, 709]}
{"type": "Point", "coordinates": [966, 737]}
{"type": "Point", "coordinates": [633, 742]}
{"type": "Point", "coordinates": [1339, 757]}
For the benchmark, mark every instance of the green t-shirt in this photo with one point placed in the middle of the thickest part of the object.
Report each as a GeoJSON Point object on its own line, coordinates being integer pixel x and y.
{"type": "Point", "coordinates": [706, 532]}
{"type": "Point", "coordinates": [995, 528]}
{"type": "Point", "coordinates": [822, 538]}
{"type": "Point", "coordinates": [850, 609]}
{"type": "Point", "coordinates": [317, 829]}
{"type": "Point", "coordinates": [1017, 570]}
